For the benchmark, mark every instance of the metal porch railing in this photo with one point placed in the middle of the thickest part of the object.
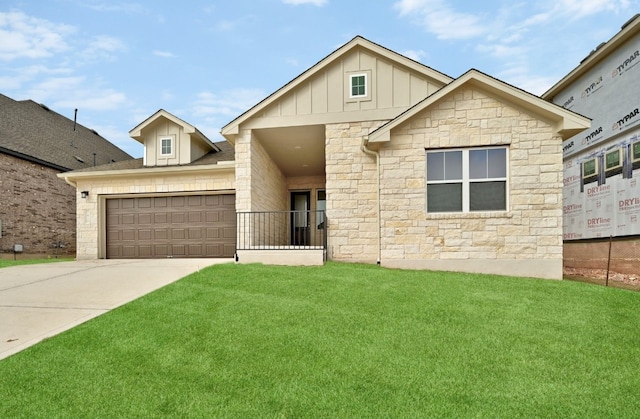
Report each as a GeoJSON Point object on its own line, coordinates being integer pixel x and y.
{"type": "Point", "coordinates": [281, 230]}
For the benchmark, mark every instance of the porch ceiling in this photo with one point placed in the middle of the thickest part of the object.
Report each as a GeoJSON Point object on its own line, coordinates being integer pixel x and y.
{"type": "Point", "coordinates": [298, 151]}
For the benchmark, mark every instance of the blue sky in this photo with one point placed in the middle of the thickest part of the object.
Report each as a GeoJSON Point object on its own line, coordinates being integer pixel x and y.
{"type": "Point", "coordinates": [120, 61]}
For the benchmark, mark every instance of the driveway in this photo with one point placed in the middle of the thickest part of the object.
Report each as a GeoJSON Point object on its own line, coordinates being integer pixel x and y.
{"type": "Point", "coordinates": [40, 301]}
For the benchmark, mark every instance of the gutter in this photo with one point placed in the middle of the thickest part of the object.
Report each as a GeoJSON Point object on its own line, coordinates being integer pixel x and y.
{"type": "Point", "coordinates": [363, 147]}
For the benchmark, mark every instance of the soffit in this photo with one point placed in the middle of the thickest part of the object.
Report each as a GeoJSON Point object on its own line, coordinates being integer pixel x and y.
{"type": "Point", "coordinates": [297, 151]}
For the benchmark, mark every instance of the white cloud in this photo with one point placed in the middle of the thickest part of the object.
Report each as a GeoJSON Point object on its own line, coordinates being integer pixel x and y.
{"type": "Point", "coordinates": [22, 36]}
{"type": "Point", "coordinates": [101, 48]}
{"type": "Point", "coordinates": [230, 103]}
{"type": "Point", "coordinates": [318, 3]}
{"type": "Point", "coordinates": [163, 54]}
{"type": "Point", "coordinates": [123, 7]}
{"type": "Point", "coordinates": [26, 74]}
{"type": "Point", "coordinates": [241, 22]}
{"type": "Point", "coordinates": [416, 55]}
{"type": "Point", "coordinates": [437, 17]}
{"type": "Point", "coordinates": [76, 92]}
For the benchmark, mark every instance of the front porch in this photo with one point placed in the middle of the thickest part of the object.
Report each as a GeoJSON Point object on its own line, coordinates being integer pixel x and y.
{"type": "Point", "coordinates": [281, 237]}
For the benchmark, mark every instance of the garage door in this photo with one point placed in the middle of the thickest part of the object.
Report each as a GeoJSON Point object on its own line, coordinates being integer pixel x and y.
{"type": "Point", "coordinates": [171, 226]}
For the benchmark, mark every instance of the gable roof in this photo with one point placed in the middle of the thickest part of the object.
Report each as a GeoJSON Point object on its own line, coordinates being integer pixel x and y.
{"type": "Point", "coordinates": [136, 132]}
{"type": "Point", "coordinates": [567, 123]}
{"type": "Point", "coordinates": [628, 30]}
{"type": "Point", "coordinates": [358, 42]}
{"type": "Point", "coordinates": [34, 132]}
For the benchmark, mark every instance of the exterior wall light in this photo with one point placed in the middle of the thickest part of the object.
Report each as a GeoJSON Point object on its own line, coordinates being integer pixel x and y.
{"type": "Point", "coordinates": [84, 194]}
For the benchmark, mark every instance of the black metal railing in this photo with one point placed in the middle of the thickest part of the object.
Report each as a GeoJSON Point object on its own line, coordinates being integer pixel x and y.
{"type": "Point", "coordinates": [280, 230]}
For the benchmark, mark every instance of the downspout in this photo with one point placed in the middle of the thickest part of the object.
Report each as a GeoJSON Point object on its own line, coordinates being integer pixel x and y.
{"type": "Point", "coordinates": [363, 147]}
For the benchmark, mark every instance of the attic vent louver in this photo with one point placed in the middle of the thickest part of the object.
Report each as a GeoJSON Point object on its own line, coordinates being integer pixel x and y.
{"type": "Point", "coordinates": [79, 159]}
{"type": "Point", "coordinates": [45, 107]}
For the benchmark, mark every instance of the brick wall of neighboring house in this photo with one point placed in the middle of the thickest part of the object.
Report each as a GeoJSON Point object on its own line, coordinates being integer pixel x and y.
{"type": "Point", "coordinates": [37, 209]}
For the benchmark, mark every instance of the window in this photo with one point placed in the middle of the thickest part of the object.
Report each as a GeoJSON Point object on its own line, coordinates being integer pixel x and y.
{"type": "Point", "coordinates": [321, 205]}
{"type": "Point", "coordinates": [358, 85]}
{"type": "Point", "coordinates": [467, 180]}
{"type": "Point", "coordinates": [166, 146]}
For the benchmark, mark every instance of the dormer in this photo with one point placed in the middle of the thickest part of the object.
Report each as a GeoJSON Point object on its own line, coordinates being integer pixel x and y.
{"type": "Point", "coordinates": [170, 141]}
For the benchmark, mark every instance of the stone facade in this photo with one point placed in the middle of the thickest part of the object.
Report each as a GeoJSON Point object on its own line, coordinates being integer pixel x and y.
{"type": "Point", "coordinates": [524, 240]}
{"type": "Point", "coordinates": [351, 193]}
{"type": "Point", "coordinates": [37, 209]}
{"type": "Point", "coordinates": [91, 214]}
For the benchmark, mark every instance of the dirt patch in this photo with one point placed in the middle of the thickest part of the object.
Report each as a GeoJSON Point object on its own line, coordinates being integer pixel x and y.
{"type": "Point", "coordinates": [599, 276]}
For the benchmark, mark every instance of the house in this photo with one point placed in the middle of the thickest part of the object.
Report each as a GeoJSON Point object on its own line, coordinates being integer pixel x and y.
{"type": "Point", "coordinates": [367, 156]}
{"type": "Point", "coordinates": [37, 209]}
{"type": "Point", "coordinates": [602, 165]}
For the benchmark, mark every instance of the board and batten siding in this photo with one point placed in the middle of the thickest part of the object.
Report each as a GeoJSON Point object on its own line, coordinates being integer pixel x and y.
{"type": "Point", "coordinates": [392, 86]}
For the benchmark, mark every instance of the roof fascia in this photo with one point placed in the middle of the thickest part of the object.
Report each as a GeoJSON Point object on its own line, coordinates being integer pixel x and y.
{"type": "Point", "coordinates": [150, 171]}
{"type": "Point", "coordinates": [567, 123]}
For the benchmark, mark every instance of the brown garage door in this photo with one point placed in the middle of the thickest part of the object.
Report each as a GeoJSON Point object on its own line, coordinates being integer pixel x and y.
{"type": "Point", "coordinates": [171, 226]}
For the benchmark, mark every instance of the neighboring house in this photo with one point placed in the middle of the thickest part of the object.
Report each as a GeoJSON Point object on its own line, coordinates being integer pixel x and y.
{"type": "Point", "coordinates": [602, 165]}
{"type": "Point", "coordinates": [37, 209]}
{"type": "Point", "coordinates": [367, 156]}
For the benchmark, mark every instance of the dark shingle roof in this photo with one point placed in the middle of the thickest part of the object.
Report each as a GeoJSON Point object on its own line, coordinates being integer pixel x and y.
{"type": "Point", "coordinates": [34, 132]}
{"type": "Point", "coordinates": [226, 153]}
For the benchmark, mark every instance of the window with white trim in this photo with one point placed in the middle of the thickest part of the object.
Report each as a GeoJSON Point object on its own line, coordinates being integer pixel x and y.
{"type": "Point", "coordinates": [358, 85]}
{"type": "Point", "coordinates": [166, 146]}
{"type": "Point", "coordinates": [467, 180]}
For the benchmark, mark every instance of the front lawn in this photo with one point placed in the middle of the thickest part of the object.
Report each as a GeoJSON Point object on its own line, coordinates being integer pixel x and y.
{"type": "Point", "coordinates": [4, 263]}
{"type": "Point", "coordinates": [341, 341]}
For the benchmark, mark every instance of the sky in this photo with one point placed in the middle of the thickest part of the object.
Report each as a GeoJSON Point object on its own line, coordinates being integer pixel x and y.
{"type": "Point", "coordinates": [119, 61]}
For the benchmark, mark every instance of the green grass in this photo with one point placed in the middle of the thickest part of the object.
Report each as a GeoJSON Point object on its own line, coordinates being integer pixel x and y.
{"type": "Point", "coordinates": [4, 263]}
{"type": "Point", "coordinates": [341, 341]}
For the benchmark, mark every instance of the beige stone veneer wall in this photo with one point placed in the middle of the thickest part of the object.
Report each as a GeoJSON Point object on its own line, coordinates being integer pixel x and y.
{"type": "Point", "coordinates": [351, 193]}
{"type": "Point", "coordinates": [90, 211]}
{"type": "Point", "coordinates": [525, 240]}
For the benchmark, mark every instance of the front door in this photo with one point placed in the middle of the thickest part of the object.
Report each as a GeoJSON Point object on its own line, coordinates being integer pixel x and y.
{"type": "Point", "coordinates": [300, 205]}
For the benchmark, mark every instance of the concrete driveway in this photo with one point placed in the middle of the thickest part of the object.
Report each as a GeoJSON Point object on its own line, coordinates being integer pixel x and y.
{"type": "Point", "coordinates": [40, 301]}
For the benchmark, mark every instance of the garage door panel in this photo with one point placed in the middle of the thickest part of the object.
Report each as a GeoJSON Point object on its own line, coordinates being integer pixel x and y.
{"type": "Point", "coordinates": [128, 235]}
{"type": "Point", "coordinates": [171, 226]}
{"type": "Point", "coordinates": [145, 251]}
{"type": "Point", "coordinates": [178, 250]}
{"type": "Point", "coordinates": [160, 250]}
{"type": "Point", "coordinates": [129, 251]}
{"type": "Point", "coordinates": [145, 218]}
{"type": "Point", "coordinates": [195, 233]}
{"type": "Point", "coordinates": [229, 233]}
{"type": "Point", "coordinates": [145, 234]}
